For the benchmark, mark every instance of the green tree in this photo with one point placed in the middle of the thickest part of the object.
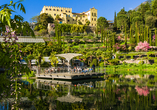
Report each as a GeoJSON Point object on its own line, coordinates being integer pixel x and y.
{"type": "Point", "coordinates": [87, 22]}
{"type": "Point", "coordinates": [150, 21]}
{"type": "Point", "coordinates": [122, 18]}
{"type": "Point", "coordinates": [115, 22]}
{"type": "Point", "coordinates": [144, 8]}
{"type": "Point", "coordinates": [43, 20]}
{"type": "Point", "coordinates": [102, 23]}
{"type": "Point", "coordinates": [154, 7]}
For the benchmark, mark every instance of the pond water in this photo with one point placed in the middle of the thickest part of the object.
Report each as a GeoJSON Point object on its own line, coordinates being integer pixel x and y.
{"type": "Point", "coordinates": [94, 94]}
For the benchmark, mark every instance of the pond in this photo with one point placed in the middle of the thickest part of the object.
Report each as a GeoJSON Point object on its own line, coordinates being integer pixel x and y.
{"type": "Point", "coordinates": [111, 92]}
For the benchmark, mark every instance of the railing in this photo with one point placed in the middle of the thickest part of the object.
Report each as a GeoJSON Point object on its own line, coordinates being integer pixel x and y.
{"type": "Point", "coordinates": [72, 70]}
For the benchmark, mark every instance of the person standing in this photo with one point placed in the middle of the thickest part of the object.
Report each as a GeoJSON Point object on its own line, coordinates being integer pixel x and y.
{"type": "Point", "coordinates": [93, 67]}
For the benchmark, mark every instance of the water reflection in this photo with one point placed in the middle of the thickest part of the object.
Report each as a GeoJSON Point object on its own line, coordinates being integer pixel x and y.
{"type": "Point", "coordinates": [98, 94]}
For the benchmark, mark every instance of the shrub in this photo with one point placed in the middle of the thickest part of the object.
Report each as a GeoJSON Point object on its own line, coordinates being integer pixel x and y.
{"type": "Point", "coordinates": [101, 64]}
{"type": "Point", "coordinates": [95, 62]}
{"type": "Point", "coordinates": [85, 39]}
{"type": "Point", "coordinates": [68, 39]}
{"type": "Point", "coordinates": [74, 34]}
{"type": "Point", "coordinates": [142, 46]}
{"type": "Point", "coordinates": [113, 62]}
{"type": "Point", "coordinates": [43, 32]}
{"type": "Point", "coordinates": [76, 40]}
{"type": "Point", "coordinates": [81, 46]}
{"type": "Point", "coordinates": [141, 62]}
{"type": "Point", "coordinates": [94, 39]}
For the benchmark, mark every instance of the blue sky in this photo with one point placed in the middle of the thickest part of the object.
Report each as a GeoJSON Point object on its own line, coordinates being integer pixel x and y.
{"type": "Point", "coordinates": [106, 8]}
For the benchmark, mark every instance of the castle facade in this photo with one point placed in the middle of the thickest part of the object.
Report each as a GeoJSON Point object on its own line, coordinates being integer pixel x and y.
{"type": "Point", "coordinates": [67, 16]}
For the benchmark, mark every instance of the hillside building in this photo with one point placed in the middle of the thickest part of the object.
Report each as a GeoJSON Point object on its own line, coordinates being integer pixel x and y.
{"type": "Point", "coordinates": [67, 16]}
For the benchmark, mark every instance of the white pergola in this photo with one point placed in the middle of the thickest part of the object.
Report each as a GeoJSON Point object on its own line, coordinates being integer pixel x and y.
{"type": "Point", "coordinates": [68, 56]}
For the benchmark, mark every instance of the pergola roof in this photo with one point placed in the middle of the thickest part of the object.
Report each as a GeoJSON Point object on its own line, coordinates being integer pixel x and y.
{"type": "Point", "coordinates": [27, 40]}
{"type": "Point", "coordinates": [68, 56]}
{"type": "Point", "coordinates": [69, 98]}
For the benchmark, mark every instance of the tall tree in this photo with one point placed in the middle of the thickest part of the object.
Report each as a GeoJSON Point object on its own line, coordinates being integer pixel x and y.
{"type": "Point", "coordinates": [122, 18]}
{"type": "Point", "coordinates": [115, 23]}
{"type": "Point", "coordinates": [154, 7]}
{"type": "Point", "coordinates": [143, 8]}
{"type": "Point", "coordinates": [102, 24]}
{"type": "Point", "coordinates": [43, 20]}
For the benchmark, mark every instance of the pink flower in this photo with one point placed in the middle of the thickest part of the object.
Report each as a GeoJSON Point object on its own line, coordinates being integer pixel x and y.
{"type": "Point", "coordinates": [118, 38]}
{"type": "Point", "coordinates": [142, 46]}
{"type": "Point", "coordinates": [142, 91]}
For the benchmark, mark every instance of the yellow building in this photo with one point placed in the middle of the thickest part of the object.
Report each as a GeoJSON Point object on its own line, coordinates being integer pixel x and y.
{"type": "Point", "coordinates": [67, 16]}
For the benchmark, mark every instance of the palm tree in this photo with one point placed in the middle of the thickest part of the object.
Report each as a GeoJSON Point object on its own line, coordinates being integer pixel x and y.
{"type": "Point", "coordinates": [29, 48]}
{"type": "Point", "coordinates": [98, 54]}
{"type": "Point", "coordinates": [39, 49]}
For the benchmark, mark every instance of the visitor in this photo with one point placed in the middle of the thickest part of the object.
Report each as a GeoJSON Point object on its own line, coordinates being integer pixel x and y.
{"type": "Point", "coordinates": [93, 67]}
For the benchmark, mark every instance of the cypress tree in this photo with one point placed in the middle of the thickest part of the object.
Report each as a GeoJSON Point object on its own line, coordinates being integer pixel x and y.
{"type": "Point", "coordinates": [125, 37]}
{"type": "Point", "coordinates": [97, 30]}
{"type": "Point", "coordinates": [115, 23]}
{"type": "Point", "coordinates": [150, 37]}
{"type": "Point", "coordinates": [155, 37]}
{"type": "Point", "coordinates": [137, 34]}
{"type": "Point", "coordinates": [130, 35]}
{"type": "Point", "coordinates": [142, 37]}
{"type": "Point", "coordinates": [102, 34]}
{"type": "Point", "coordinates": [147, 34]}
{"type": "Point", "coordinates": [104, 37]}
{"type": "Point", "coordinates": [107, 39]}
{"type": "Point", "coordinates": [113, 42]}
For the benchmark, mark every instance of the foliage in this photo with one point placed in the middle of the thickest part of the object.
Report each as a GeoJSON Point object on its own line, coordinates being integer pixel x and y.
{"type": "Point", "coordinates": [42, 21]}
{"type": "Point", "coordinates": [142, 46]}
{"type": "Point", "coordinates": [30, 74]}
{"type": "Point", "coordinates": [122, 18]}
{"type": "Point", "coordinates": [102, 22]}
{"type": "Point", "coordinates": [53, 60]}
{"type": "Point", "coordinates": [43, 31]}
{"type": "Point", "coordinates": [95, 62]}
{"type": "Point", "coordinates": [150, 21]}
{"type": "Point", "coordinates": [113, 62]}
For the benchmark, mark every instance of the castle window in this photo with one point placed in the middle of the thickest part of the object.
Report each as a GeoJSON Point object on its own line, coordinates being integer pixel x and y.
{"type": "Point", "coordinates": [66, 11]}
{"type": "Point", "coordinates": [69, 11]}
{"type": "Point", "coordinates": [54, 14]}
{"type": "Point", "coordinates": [50, 9]}
{"type": "Point", "coordinates": [57, 10]}
{"type": "Point", "coordinates": [94, 19]}
{"type": "Point", "coordinates": [83, 16]}
{"type": "Point", "coordinates": [94, 14]}
{"type": "Point", "coordinates": [53, 9]}
{"type": "Point", "coordinates": [60, 14]}
{"type": "Point", "coordinates": [61, 10]}
{"type": "Point", "coordinates": [46, 8]}
{"type": "Point", "coordinates": [68, 20]}
{"type": "Point", "coordinates": [69, 15]}
{"type": "Point", "coordinates": [73, 19]}
{"type": "Point", "coordinates": [92, 24]}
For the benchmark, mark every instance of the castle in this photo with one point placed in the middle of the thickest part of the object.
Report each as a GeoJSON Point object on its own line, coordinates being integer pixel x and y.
{"type": "Point", "coordinates": [67, 16]}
